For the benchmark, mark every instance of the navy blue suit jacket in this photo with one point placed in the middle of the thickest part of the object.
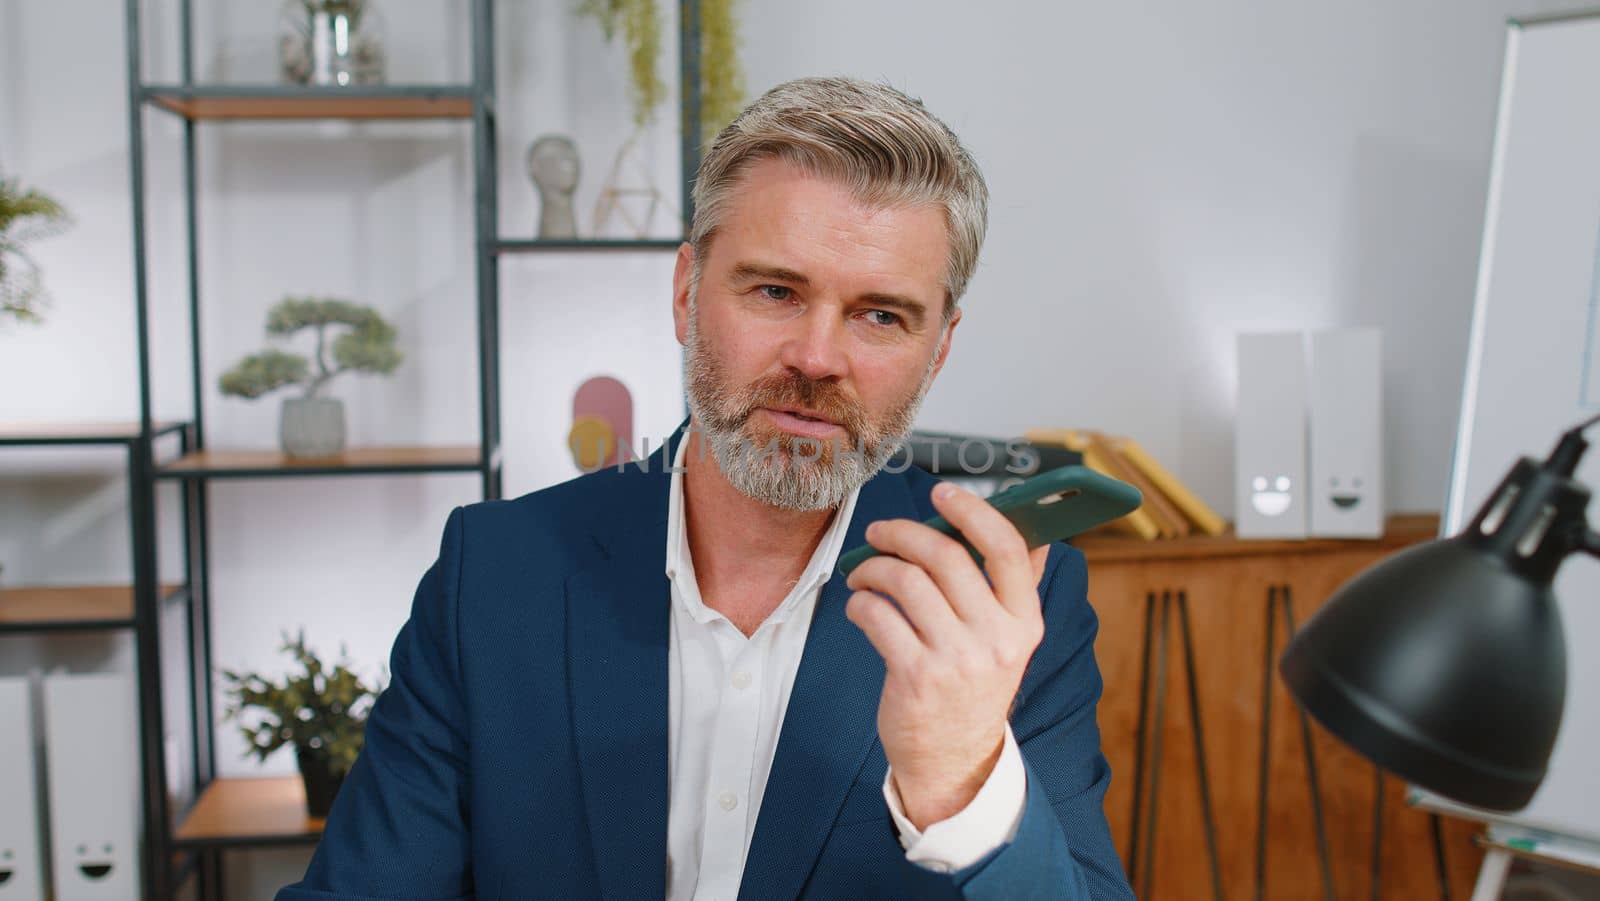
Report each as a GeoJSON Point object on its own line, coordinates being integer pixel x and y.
{"type": "Point", "coordinates": [520, 749]}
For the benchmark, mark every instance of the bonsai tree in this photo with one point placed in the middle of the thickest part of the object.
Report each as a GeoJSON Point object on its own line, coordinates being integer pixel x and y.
{"type": "Point", "coordinates": [322, 712]}
{"type": "Point", "coordinates": [368, 346]}
{"type": "Point", "coordinates": [25, 215]}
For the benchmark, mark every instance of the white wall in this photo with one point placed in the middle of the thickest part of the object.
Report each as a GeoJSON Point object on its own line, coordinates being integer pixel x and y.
{"type": "Point", "coordinates": [1163, 174]}
{"type": "Point", "coordinates": [1166, 174]}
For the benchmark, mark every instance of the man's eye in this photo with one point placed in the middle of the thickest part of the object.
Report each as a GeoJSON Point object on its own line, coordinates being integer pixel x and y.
{"type": "Point", "coordinates": [783, 294]}
{"type": "Point", "coordinates": [888, 317]}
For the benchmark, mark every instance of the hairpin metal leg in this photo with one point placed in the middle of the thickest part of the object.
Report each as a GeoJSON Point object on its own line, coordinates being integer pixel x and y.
{"type": "Point", "coordinates": [1200, 748]}
{"type": "Point", "coordinates": [1139, 739]}
{"type": "Point", "coordinates": [1262, 781]}
{"type": "Point", "coordinates": [1323, 857]}
{"type": "Point", "coordinates": [1147, 870]}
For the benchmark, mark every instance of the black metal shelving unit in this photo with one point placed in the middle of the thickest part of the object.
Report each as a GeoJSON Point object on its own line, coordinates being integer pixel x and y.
{"type": "Point", "coordinates": [140, 607]}
{"type": "Point", "coordinates": [240, 813]}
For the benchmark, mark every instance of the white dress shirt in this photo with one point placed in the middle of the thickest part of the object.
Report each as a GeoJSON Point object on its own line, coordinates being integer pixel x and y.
{"type": "Point", "coordinates": [726, 701]}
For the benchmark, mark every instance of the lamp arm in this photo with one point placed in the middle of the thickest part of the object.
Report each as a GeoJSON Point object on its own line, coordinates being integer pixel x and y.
{"type": "Point", "coordinates": [1564, 459]}
{"type": "Point", "coordinates": [1585, 539]}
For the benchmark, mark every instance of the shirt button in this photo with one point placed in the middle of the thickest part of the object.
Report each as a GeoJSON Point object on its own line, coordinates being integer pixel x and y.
{"type": "Point", "coordinates": [727, 800]}
{"type": "Point", "coordinates": [741, 678]}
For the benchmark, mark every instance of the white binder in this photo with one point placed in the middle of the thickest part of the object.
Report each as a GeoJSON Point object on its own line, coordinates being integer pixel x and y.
{"type": "Point", "coordinates": [21, 858]}
{"type": "Point", "coordinates": [1269, 449]}
{"type": "Point", "coordinates": [1347, 433]}
{"type": "Point", "coordinates": [92, 766]}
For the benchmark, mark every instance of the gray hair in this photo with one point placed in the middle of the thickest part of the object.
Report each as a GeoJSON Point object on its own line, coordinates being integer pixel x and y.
{"type": "Point", "coordinates": [880, 143]}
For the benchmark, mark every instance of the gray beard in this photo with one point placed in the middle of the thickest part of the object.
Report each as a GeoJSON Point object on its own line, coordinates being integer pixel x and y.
{"type": "Point", "coordinates": [789, 472]}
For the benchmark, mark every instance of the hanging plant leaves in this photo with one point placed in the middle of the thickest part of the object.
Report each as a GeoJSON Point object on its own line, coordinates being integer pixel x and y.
{"type": "Point", "coordinates": [26, 215]}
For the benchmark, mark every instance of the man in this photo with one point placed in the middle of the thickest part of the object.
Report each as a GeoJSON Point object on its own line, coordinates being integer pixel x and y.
{"type": "Point", "coordinates": [569, 718]}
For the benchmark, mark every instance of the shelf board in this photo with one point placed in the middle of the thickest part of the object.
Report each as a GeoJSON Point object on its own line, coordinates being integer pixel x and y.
{"type": "Point", "coordinates": [97, 432]}
{"type": "Point", "coordinates": [549, 245]}
{"type": "Point", "coordinates": [260, 102]}
{"type": "Point", "coordinates": [1400, 530]}
{"type": "Point", "coordinates": [213, 464]}
{"type": "Point", "coordinates": [258, 811]}
{"type": "Point", "coordinates": [70, 608]}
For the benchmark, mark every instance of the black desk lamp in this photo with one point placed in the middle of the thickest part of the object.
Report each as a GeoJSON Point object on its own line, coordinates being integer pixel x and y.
{"type": "Point", "coordinates": [1445, 663]}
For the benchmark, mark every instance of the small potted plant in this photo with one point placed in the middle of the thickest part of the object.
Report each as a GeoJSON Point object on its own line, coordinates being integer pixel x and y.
{"type": "Point", "coordinates": [312, 425]}
{"type": "Point", "coordinates": [25, 216]}
{"type": "Point", "coordinates": [322, 712]}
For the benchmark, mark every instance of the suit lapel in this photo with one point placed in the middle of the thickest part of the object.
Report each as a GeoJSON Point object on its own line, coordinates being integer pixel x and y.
{"type": "Point", "coordinates": [618, 616]}
{"type": "Point", "coordinates": [829, 727]}
{"type": "Point", "coordinates": [618, 621]}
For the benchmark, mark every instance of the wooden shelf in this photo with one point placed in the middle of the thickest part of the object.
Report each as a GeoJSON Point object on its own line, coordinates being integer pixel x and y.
{"type": "Point", "coordinates": [247, 102]}
{"type": "Point", "coordinates": [69, 608]}
{"type": "Point", "coordinates": [260, 811]}
{"type": "Point", "coordinates": [354, 461]}
{"type": "Point", "coordinates": [108, 432]}
{"type": "Point", "coordinates": [1401, 530]}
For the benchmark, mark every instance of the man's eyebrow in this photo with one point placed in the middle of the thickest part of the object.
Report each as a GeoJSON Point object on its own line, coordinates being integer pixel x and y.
{"type": "Point", "coordinates": [746, 271]}
{"type": "Point", "coordinates": [914, 310]}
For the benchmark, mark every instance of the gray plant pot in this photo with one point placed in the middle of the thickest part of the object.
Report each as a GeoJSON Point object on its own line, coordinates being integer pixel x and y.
{"type": "Point", "coordinates": [311, 426]}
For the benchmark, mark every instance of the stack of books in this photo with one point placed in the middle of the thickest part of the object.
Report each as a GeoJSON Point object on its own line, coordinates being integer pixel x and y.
{"type": "Point", "coordinates": [1170, 509]}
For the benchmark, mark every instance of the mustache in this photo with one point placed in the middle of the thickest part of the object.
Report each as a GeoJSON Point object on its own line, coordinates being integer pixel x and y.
{"type": "Point", "coordinates": [823, 397]}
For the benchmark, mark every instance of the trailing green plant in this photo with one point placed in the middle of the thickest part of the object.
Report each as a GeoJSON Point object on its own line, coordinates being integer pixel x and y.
{"type": "Point", "coordinates": [26, 215]}
{"type": "Point", "coordinates": [368, 346]}
{"type": "Point", "coordinates": [640, 24]}
{"type": "Point", "coordinates": [721, 75]}
{"type": "Point", "coordinates": [319, 710]}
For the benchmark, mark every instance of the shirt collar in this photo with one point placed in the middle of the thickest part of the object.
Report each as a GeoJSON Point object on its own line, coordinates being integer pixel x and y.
{"type": "Point", "coordinates": [680, 563]}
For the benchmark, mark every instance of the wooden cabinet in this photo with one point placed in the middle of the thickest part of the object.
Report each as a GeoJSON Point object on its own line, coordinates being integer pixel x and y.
{"type": "Point", "coordinates": [1220, 786]}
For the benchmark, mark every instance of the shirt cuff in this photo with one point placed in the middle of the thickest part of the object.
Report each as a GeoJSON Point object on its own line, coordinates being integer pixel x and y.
{"type": "Point", "coordinates": [988, 821]}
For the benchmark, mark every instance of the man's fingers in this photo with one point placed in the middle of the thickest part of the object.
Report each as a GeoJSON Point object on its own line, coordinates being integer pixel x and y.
{"type": "Point", "coordinates": [1005, 554]}
{"type": "Point", "coordinates": [888, 631]}
{"type": "Point", "coordinates": [942, 558]}
{"type": "Point", "coordinates": [924, 606]}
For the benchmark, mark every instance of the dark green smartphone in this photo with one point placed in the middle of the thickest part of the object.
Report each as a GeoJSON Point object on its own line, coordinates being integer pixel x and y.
{"type": "Point", "coordinates": [1048, 507]}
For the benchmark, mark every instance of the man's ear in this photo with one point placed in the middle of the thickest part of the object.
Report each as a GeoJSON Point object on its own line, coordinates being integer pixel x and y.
{"type": "Point", "coordinates": [681, 271]}
{"type": "Point", "coordinates": [944, 342]}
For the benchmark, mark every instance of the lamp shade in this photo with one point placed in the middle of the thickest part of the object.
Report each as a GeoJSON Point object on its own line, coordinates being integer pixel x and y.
{"type": "Point", "coordinates": [1445, 663]}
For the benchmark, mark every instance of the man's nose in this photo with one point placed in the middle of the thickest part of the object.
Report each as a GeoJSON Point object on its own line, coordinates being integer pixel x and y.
{"type": "Point", "coordinates": [815, 345]}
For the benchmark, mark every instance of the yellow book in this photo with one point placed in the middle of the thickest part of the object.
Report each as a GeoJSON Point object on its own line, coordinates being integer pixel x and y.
{"type": "Point", "coordinates": [1095, 456]}
{"type": "Point", "coordinates": [1172, 521]}
{"type": "Point", "coordinates": [1204, 518]}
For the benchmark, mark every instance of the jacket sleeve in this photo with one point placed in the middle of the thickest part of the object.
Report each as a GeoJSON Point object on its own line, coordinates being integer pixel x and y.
{"type": "Point", "coordinates": [1063, 848]}
{"type": "Point", "coordinates": [399, 826]}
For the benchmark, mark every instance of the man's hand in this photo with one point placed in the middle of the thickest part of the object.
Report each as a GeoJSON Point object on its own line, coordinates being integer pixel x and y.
{"type": "Point", "coordinates": [955, 650]}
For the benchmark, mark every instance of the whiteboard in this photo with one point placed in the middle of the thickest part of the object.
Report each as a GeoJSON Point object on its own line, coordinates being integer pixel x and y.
{"type": "Point", "coordinates": [1533, 364]}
